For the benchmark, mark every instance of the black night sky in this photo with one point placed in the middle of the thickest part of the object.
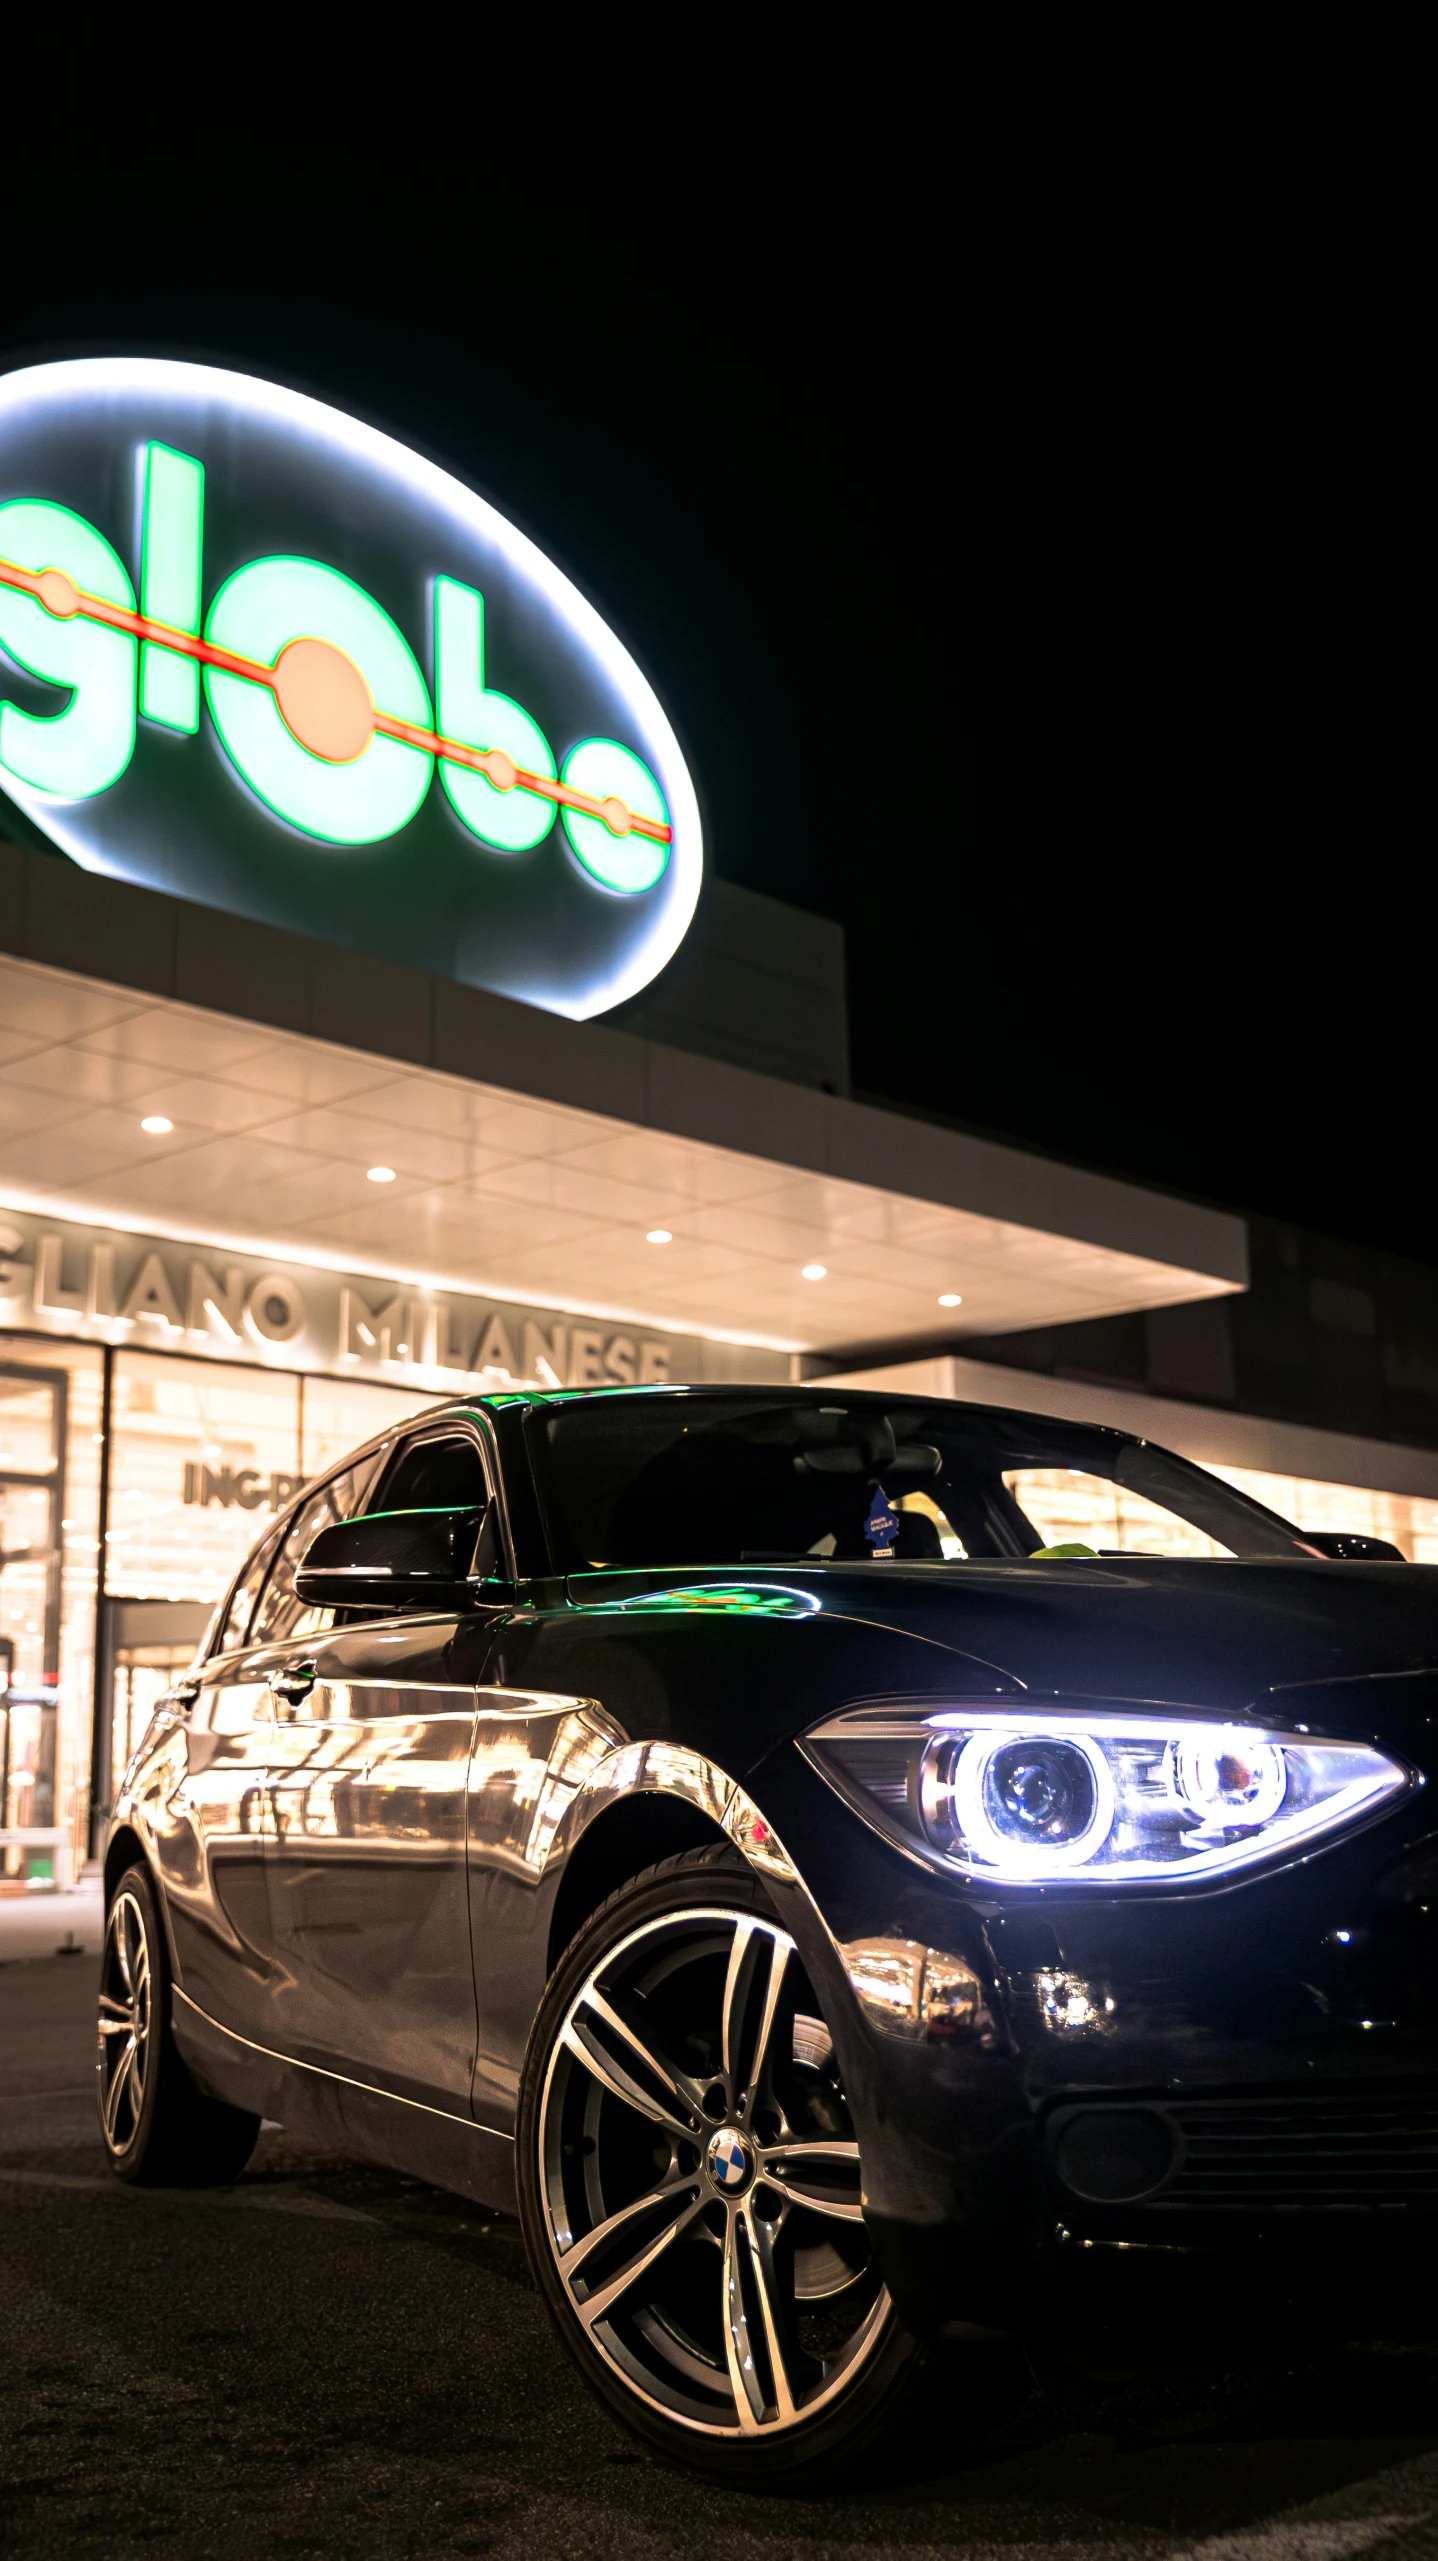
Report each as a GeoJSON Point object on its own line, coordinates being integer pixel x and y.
{"type": "Point", "coordinates": [1027, 522]}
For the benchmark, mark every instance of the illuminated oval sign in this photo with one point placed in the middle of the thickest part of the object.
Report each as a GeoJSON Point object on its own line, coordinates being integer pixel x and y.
{"type": "Point", "coordinates": [261, 656]}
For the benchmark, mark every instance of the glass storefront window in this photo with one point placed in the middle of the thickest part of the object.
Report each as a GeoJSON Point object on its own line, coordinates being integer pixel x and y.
{"type": "Point", "coordinates": [50, 1400]}
{"type": "Point", "coordinates": [33, 1436]}
{"type": "Point", "coordinates": [339, 1413]}
{"type": "Point", "coordinates": [205, 1452]}
{"type": "Point", "coordinates": [201, 1453]}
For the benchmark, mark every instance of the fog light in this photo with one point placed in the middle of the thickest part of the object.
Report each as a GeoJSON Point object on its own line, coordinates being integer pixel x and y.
{"type": "Point", "coordinates": [1116, 2156]}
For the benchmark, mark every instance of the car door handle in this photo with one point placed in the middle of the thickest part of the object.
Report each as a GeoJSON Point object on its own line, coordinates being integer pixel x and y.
{"type": "Point", "coordinates": [295, 1683]}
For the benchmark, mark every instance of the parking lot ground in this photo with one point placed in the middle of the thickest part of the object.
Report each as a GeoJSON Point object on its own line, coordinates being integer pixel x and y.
{"type": "Point", "coordinates": [329, 2360]}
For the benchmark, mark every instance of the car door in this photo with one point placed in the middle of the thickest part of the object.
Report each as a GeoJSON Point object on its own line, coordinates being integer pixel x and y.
{"type": "Point", "coordinates": [367, 1886]}
{"type": "Point", "coordinates": [204, 1801]}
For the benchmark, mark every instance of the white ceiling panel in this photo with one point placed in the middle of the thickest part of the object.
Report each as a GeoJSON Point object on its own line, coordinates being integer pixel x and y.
{"type": "Point", "coordinates": [305, 1074]}
{"type": "Point", "coordinates": [24, 1113]}
{"type": "Point", "coordinates": [345, 1133]}
{"type": "Point", "coordinates": [640, 1157]}
{"type": "Point", "coordinates": [556, 1185]}
{"type": "Point", "coordinates": [52, 1006]}
{"type": "Point", "coordinates": [179, 1039]}
{"type": "Point", "coordinates": [17, 1044]}
{"type": "Point", "coordinates": [521, 1195]}
{"type": "Point", "coordinates": [73, 1074]}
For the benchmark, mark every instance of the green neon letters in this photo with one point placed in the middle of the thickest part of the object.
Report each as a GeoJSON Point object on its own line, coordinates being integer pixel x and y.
{"type": "Point", "coordinates": [600, 766]}
{"type": "Point", "coordinates": [256, 613]}
{"type": "Point", "coordinates": [171, 543]}
{"type": "Point", "coordinates": [510, 821]}
{"type": "Point", "coordinates": [264, 607]}
{"type": "Point", "coordinates": [87, 746]}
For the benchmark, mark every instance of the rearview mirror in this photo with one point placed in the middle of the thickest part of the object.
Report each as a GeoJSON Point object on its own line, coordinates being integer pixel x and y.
{"type": "Point", "coordinates": [400, 1560]}
{"type": "Point", "coordinates": [1352, 1547]}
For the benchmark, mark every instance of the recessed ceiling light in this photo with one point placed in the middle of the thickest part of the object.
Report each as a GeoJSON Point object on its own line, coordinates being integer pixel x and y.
{"type": "Point", "coordinates": [380, 1174]}
{"type": "Point", "coordinates": [816, 1271]}
{"type": "Point", "coordinates": [155, 1125]}
{"type": "Point", "coordinates": [660, 1236]}
{"type": "Point", "coordinates": [951, 1298]}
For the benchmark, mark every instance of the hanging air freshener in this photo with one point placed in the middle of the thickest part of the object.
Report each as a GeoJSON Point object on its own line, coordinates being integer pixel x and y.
{"type": "Point", "coordinates": [881, 1529]}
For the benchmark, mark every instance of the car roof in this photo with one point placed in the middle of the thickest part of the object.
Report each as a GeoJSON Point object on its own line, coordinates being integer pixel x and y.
{"type": "Point", "coordinates": [814, 1391]}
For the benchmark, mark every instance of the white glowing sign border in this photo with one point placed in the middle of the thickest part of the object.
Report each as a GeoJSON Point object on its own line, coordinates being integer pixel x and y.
{"type": "Point", "coordinates": [94, 380]}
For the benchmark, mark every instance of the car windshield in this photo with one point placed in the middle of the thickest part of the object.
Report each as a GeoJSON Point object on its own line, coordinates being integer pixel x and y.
{"type": "Point", "coordinates": [697, 1477]}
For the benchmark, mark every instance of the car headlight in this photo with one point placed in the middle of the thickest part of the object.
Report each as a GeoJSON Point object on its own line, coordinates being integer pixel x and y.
{"type": "Point", "coordinates": [1080, 1793]}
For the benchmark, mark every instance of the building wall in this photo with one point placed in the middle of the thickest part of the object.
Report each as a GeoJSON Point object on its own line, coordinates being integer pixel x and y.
{"type": "Point", "coordinates": [1332, 1336]}
{"type": "Point", "coordinates": [757, 983]}
{"type": "Point", "coordinates": [1321, 1480]}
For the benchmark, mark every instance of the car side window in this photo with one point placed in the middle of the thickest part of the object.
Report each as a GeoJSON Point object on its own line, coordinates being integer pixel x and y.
{"type": "Point", "coordinates": [441, 1474]}
{"type": "Point", "coordinates": [281, 1613]}
{"type": "Point", "coordinates": [236, 1626]}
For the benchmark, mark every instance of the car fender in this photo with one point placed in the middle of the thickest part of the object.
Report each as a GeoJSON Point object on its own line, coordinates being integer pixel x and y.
{"type": "Point", "coordinates": [630, 1769]}
{"type": "Point", "coordinates": [128, 1817]}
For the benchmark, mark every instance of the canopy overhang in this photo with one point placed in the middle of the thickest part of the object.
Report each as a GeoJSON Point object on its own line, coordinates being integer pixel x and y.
{"type": "Point", "coordinates": [532, 1157]}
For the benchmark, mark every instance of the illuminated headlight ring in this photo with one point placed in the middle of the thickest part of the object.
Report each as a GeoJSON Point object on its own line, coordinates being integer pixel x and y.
{"type": "Point", "coordinates": [981, 1774]}
{"type": "Point", "coordinates": [1222, 1784]}
{"type": "Point", "coordinates": [1085, 1793]}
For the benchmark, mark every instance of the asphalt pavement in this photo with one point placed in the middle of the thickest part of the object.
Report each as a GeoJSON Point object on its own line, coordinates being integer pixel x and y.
{"type": "Point", "coordinates": [329, 2360]}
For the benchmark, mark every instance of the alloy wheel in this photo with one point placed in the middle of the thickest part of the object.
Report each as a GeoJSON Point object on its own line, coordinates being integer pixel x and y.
{"type": "Point", "coordinates": [123, 2056]}
{"type": "Point", "coordinates": [701, 2179]}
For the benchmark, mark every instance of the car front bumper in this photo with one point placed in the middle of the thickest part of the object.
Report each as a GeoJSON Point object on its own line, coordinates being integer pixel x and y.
{"type": "Point", "coordinates": [1129, 2108]}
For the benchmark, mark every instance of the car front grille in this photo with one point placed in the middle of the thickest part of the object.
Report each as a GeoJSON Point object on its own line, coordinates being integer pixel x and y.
{"type": "Point", "coordinates": [1361, 2152]}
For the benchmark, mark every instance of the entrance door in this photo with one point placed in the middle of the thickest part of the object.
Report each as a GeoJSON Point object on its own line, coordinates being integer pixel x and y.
{"type": "Point", "coordinates": [368, 1899]}
{"type": "Point", "coordinates": [32, 1474]}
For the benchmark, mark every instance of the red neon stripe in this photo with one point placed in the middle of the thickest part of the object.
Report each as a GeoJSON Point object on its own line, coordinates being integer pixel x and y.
{"type": "Point", "coordinates": [188, 644]}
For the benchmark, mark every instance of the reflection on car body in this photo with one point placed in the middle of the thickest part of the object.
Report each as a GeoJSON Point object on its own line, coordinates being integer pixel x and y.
{"type": "Point", "coordinates": [730, 1828]}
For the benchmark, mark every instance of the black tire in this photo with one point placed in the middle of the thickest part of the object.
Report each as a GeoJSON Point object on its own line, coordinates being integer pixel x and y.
{"type": "Point", "coordinates": [158, 2129]}
{"type": "Point", "coordinates": [755, 2340]}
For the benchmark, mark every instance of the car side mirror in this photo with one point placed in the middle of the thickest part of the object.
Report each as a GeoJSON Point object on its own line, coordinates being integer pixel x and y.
{"type": "Point", "coordinates": [401, 1560]}
{"type": "Point", "coordinates": [1352, 1547]}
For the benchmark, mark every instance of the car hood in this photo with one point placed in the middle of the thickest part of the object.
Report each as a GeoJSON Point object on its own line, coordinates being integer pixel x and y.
{"type": "Point", "coordinates": [1209, 1632]}
{"type": "Point", "coordinates": [1218, 1634]}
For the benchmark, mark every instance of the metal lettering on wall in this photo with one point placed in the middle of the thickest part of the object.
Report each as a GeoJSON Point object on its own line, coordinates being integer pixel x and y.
{"type": "Point", "coordinates": [256, 653]}
{"type": "Point", "coordinates": [104, 1285]}
{"type": "Point", "coordinates": [246, 1486]}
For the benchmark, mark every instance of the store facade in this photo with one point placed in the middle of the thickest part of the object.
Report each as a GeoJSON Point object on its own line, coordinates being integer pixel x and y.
{"type": "Point", "coordinates": [336, 825]}
{"type": "Point", "coordinates": [157, 1404]}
